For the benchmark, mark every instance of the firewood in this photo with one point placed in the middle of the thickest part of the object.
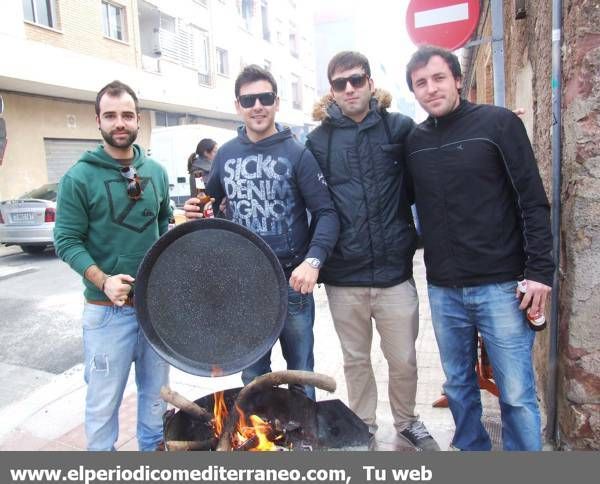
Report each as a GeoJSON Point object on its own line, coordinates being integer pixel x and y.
{"type": "Point", "coordinates": [182, 403]}
{"type": "Point", "coordinates": [268, 380]}
{"type": "Point", "coordinates": [248, 444]}
{"type": "Point", "coordinates": [184, 445]}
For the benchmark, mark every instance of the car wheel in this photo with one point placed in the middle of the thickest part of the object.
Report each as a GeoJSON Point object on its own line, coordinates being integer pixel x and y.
{"type": "Point", "coordinates": [33, 249]}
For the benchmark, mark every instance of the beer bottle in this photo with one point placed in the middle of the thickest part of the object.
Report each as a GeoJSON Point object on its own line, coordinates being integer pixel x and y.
{"type": "Point", "coordinates": [537, 322]}
{"type": "Point", "coordinates": [205, 200]}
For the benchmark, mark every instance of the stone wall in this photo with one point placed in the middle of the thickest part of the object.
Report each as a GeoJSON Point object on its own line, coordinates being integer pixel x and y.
{"type": "Point", "coordinates": [528, 48]}
{"type": "Point", "coordinates": [528, 58]}
{"type": "Point", "coordinates": [579, 383]}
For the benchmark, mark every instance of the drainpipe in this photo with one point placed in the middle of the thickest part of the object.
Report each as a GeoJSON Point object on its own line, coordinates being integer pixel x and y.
{"type": "Point", "coordinates": [498, 52]}
{"type": "Point", "coordinates": [553, 428]}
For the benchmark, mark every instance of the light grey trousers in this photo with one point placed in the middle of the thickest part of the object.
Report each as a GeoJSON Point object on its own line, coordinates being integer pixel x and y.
{"type": "Point", "coordinates": [395, 311]}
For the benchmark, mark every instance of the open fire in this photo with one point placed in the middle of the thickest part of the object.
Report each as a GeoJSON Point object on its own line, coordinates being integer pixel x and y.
{"type": "Point", "coordinates": [258, 435]}
{"type": "Point", "coordinates": [263, 417]}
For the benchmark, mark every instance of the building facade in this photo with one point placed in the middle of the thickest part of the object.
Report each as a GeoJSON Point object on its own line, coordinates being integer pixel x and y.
{"type": "Point", "coordinates": [340, 28]}
{"type": "Point", "coordinates": [528, 34]}
{"type": "Point", "coordinates": [180, 57]}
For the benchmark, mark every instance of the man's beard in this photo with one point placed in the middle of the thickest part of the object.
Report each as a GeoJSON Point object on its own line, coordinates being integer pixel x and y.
{"type": "Point", "coordinates": [126, 143]}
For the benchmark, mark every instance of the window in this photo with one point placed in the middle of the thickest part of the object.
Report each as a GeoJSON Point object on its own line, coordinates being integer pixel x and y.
{"type": "Point", "coordinates": [296, 92]}
{"type": "Point", "coordinates": [222, 62]}
{"type": "Point", "coordinates": [282, 88]}
{"type": "Point", "coordinates": [264, 13]}
{"type": "Point", "coordinates": [201, 58]}
{"type": "Point", "coordinates": [113, 21]}
{"type": "Point", "coordinates": [186, 45]}
{"type": "Point", "coordinates": [279, 31]}
{"type": "Point", "coordinates": [164, 119]}
{"type": "Point", "coordinates": [246, 9]}
{"type": "Point", "coordinates": [167, 23]}
{"type": "Point", "coordinates": [293, 40]}
{"type": "Point", "coordinates": [41, 12]}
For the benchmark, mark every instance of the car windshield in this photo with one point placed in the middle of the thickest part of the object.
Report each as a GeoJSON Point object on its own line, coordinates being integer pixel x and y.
{"type": "Point", "coordinates": [45, 192]}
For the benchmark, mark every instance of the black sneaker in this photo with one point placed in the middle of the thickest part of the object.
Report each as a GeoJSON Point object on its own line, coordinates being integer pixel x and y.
{"type": "Point", "coordinates": [372, 442]}
{"type": "Point", "coordinates": [419, 437]}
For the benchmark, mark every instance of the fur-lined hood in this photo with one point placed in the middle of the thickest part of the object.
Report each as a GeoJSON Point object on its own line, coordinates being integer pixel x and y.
{"type": "Point", "coordinates": [384, 101]}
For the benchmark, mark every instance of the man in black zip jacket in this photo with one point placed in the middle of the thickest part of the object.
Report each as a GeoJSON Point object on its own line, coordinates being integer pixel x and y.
{"type": "Point", "coordinates": [270, 181]}
{"type": "Point", "coordinates": [485, 224]}
{"type": "Point", "coordinates": [359, 147]}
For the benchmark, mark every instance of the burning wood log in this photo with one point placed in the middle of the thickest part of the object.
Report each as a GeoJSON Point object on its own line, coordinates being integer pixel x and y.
{"type": "Point", "coordinates": [248, 444]}
{"type": "Point", "coordinates": [184, 404]}
{"type": "Point", "coordinates": [185, 445]}
{"type": "Point", "coordinates": [276, 378]}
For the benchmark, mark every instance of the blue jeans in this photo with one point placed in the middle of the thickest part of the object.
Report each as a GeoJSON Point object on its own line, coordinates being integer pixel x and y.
{"type": "Point", "coordinates": [296, 341]}
{"type": "Point", "coordinates": [112, 341]}
{"type": "Point", "coordinates": [493, 311]}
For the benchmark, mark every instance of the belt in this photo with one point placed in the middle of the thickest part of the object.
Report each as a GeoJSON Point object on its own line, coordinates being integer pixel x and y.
{"type": "Point", "coordinates": [128, 302]}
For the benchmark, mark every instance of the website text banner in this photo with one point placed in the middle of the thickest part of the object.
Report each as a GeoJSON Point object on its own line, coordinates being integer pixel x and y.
{"type": "Point", "coordinates": [301, 467]}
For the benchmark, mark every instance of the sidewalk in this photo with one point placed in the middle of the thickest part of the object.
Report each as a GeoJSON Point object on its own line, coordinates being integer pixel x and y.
{"type": "Point", "coordinates": [52, 417]}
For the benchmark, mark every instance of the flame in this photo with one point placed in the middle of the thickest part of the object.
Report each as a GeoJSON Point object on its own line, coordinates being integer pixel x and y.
{"type": "Point", "coordinates": [220, 412]}
{"type": "Point", "coordinates": [262, 430]}
{"type": "Point", "coordinates": [257, 429]}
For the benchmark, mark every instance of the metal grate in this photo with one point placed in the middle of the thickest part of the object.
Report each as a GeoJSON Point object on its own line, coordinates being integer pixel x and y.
{"type": "Point", "coordinates": [493, 425]}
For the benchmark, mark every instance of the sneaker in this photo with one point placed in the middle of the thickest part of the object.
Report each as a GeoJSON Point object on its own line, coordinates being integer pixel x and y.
{"type": "Point", "coordinates": [372, 442]}
{"type": "Point", "coordinates": [419, 437]}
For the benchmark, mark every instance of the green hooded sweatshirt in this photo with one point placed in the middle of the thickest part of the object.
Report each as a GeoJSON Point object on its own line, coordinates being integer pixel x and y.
{"type": "Point", "coordinates": [96, 222]}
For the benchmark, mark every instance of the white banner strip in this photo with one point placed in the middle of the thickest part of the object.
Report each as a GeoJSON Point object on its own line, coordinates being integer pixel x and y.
{"type": "Point", "coordinates": [444, 15]}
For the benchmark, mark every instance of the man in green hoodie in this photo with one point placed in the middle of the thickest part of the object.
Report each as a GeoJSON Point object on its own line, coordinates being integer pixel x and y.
{"type": "Point", "coordinates": [113, 204]}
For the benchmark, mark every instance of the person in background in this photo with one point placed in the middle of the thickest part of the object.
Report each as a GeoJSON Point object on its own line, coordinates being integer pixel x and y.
{"type": "Point", "coordinates": [369, 276]}
{"type": "Point", "coordinates": [200, 161]}
{"type": "Point", "coordinates": [113, 204]}
{"type": "Point", "coordinates": [485, 224]}
{"type": "Point", "coordinates": [272, 182]}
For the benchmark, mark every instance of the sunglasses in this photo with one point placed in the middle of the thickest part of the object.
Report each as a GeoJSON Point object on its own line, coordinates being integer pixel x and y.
{"type": "Point", "coordinates": [355, 80]}
{"type": "Point", "coordinates": [134, 188]}
{"type": "Point", "coordinates": [249, 100]}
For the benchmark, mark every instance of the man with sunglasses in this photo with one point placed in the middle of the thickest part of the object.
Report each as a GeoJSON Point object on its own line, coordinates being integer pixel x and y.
{"type": "Point", "coordinates": [113, 204]}
{"type": "Point", "coordinates": [369, 275]}
{"type": "Point", "coordinates": [270, 181]}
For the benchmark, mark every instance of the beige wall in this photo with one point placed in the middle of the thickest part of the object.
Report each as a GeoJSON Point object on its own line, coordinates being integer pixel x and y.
{"type": "Point", "coordinates": [29, 120]}
{"type": "Point", "coordinates": [80, 29]}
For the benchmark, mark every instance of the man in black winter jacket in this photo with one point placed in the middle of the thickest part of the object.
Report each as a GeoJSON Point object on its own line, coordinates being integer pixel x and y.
{"type": "Point", "coordinates": [270, 181]}
{"type": "Point", "coordinates": [359, 147]}
{"type": "Point", "coordinates": [485, 224]}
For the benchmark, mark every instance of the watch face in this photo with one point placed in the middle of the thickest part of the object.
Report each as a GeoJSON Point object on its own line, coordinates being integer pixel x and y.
{"type": "Point", "coordinates": [315, 263]}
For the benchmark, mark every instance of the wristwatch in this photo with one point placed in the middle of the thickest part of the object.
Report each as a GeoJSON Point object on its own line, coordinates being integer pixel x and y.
{"type": "Point", "coordinates": [313, 262]}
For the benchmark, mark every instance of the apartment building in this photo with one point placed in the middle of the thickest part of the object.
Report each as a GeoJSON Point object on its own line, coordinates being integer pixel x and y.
{"type": "Point", "coordinates": [181, 57]}
{"type": "Point", "coordinates": [387, 47]}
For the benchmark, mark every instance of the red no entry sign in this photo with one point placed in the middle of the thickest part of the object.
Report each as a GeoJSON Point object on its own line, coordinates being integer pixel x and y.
{"type": "Point", "coordinates": [445, 23]}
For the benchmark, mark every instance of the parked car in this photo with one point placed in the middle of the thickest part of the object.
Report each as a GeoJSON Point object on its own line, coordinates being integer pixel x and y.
{"type": "Point", "coordinates": [28, 221]}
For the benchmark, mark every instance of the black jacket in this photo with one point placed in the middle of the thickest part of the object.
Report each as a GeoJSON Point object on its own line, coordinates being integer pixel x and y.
{"type": "Point", "coordinates": [482, 207]}
{"type": "Point", "coordinates": [270, 185]}
{"type": "Point", "coordinates": [364, 170]}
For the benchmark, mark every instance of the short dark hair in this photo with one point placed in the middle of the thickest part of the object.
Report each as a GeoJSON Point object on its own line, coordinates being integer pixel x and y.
{"type": "Point", "coordinates": [421, 57]}
{"type": "Point", "coordinates": [116, 89]}
{"type": "Point", "coordinates": [253, 73]}
{"type": "Point", "coordinates": [347, 60]}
